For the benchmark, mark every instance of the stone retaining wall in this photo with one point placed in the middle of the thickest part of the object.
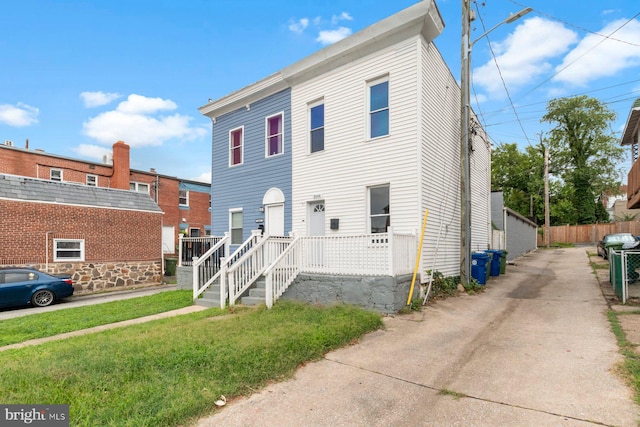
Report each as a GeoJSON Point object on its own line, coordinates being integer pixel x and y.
{"type": "Point", "coordinates": [95, 277]}
{"type": "Point", "coordinates": [384, 294]}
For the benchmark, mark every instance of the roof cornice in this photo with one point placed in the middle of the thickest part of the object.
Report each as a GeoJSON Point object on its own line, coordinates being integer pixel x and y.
{"type": "Point", "coordinates": [630, 133]}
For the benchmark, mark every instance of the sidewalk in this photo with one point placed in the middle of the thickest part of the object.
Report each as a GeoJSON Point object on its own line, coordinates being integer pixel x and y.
{"type": "Point", "coordinates": [535, 349]}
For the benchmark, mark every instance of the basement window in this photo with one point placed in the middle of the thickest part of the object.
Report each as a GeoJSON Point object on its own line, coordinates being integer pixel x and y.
{"type": "Point", "coordinates": [68, 250]}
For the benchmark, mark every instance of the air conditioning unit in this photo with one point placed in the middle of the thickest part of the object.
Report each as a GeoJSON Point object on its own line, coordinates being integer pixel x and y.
{"type": "Point", "coordinates": [8, 143]}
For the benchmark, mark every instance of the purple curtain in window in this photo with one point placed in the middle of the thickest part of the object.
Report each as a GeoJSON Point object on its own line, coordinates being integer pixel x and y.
{"type": "Point", "coordinates": [275, 135]}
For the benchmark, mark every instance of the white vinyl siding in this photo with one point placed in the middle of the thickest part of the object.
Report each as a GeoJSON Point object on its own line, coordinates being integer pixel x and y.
{"type": "Point", "coordinates": [351, 163]}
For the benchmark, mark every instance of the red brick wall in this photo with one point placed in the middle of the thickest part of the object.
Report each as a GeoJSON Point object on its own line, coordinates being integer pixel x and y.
{"type": "Point", "coordinates": [109, 234]}
{"type": "Point", "coordinates": [36, 164]}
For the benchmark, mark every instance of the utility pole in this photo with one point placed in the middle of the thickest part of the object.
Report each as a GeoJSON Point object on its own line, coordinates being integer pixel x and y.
{"type": "Point", "coordinates": [465, 173]}
{"type": "Point", "coordinates": [547, 227]}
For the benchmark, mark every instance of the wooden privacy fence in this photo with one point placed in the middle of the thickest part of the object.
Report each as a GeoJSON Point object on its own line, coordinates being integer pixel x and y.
{"type": "Point", "coordinates": [587, 234]}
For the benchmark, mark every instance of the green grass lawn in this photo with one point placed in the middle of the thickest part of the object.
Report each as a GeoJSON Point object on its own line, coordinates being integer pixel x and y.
{"type": "Point", "coordinates": [630, 368]}
{"type": "Point", "coordinates": [169, 372]}
{"type": "Point", "coordinates": [50, 323]}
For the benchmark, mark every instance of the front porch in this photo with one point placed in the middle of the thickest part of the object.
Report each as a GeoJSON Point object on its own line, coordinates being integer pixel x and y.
{"type": "Point", "coordinates": [373, 270]}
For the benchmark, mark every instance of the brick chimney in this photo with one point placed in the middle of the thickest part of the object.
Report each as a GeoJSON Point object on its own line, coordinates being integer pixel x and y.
{"type": "Point", "coordinates": [121, 168]}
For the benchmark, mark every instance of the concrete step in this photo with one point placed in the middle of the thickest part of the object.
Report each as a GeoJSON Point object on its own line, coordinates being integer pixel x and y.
{"type": "Point", "coordinates": [252, 300]}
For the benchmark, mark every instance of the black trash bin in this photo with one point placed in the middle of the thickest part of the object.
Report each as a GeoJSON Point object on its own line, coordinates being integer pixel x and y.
{"type": "Point", "coordinates": [170, 265]}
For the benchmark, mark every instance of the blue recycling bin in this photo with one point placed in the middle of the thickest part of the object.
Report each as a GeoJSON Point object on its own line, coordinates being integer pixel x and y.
{"type": "Point", "coordinates": [495, 262]}
{"type": "Point", "coordinates": [479, 263]}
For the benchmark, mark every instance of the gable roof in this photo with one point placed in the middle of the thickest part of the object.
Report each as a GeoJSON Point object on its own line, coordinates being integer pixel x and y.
{"type": "Point", "coordinates": [423, 18]}
{"type": "Point", "coordinates": [630, 133]}
{"type": "Point", "coordinates": [20, 188]}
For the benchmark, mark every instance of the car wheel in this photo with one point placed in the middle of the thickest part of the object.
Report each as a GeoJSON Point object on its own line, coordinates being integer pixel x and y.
{"type": "Point", "coordinates": [42, 298]}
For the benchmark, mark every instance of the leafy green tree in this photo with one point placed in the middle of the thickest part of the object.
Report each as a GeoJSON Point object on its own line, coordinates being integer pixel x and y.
{"type": "Point", "coordinates": [583, 152]}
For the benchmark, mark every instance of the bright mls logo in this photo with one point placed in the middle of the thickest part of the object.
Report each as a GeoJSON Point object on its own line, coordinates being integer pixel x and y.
{"type": "Point", "coordinates": [34, 415]}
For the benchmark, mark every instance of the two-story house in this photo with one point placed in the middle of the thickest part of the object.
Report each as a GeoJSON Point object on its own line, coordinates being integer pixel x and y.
{"type": "Point", "coordinates": [631, 138]}
{"type": "Point", "coordinates": [357, 139]}
{"type": "Point", "coordinates": [185, 203]}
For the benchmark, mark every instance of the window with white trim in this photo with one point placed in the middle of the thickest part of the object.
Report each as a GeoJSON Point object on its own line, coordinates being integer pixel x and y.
{"type": "Point", "coordinates": [274, 135]}
{"type": "Point", "coordinates": [139, 187]}
{"type": "Point", "coordinates": [378, 99]}
{"type": "Point", "coordinates": [92, 180]}
{"type": "Point", "coordinates": [55, 174]}
{"type": "Point", "coordinates": [379, 209]}
{"type": "Point", "coordinates": [316, 126]}
{"type": "Point", "coordinates": [236, 146]}
{"type": "Point", "coordinates": [68, 250]}
{"type": "Point", "coordinates": [235, 226]}
{"type": "Point", "coordinates": [183, 198]}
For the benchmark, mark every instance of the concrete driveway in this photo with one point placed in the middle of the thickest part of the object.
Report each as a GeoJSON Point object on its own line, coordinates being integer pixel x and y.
{"type": "Point", "coordinates": [535, 349]}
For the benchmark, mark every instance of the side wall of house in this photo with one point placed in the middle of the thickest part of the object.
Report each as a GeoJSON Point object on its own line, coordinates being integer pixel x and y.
{"type": "Point", "coordinates": [350, 163]}
{"type": "Point", "coordinates": [244, 186]}
{"type": "Point", "coordinates": [112, 235]}
{"type": "Point", "coordinates": [440, 177]}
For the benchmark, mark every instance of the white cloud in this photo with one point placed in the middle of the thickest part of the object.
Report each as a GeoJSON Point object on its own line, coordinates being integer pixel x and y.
{"type": "Point", "coordinates": [18, 115]}
{"type": "Point", "coordinates": [97, 99]}
{"type": "Point", "coordinates": [595, 57]}
{"type": "Point", "coordinates": [203, 177]}
{"type": "Point", "coordinates": [136, 122]}
{"type": "Point", "coordinates": [344, 16]}
{"type": "Point", "coordinates": [332, 36]}
{"type": "Point", "coordinates": [524, 55]}
{"type": "Point", "coordinates": [92, 151]}
{"type": "Point", "coordinates": [299, 26]}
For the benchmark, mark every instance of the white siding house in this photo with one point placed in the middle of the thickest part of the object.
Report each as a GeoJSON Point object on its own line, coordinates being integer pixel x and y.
{"type": "Point", "coordinates": [419, 157]}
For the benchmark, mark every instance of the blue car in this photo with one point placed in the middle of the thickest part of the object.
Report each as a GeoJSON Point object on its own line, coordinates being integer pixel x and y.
{"type": "Point", "coordinates": [22, 286]}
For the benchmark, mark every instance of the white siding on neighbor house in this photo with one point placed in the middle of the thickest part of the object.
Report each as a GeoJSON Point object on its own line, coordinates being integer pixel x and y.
{"type": "Point", "coordinates": [350, 163]}
{"type": "Point", "coordinates": [480, 164]}
{"type": "Point", "coordinates": [440, 154]}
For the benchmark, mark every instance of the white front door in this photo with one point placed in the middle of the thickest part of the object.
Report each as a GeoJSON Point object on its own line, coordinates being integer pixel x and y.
{"type": "Point", "coordinates": [315, 248]}
{"type": "Point", "coordinates": [274, 218]}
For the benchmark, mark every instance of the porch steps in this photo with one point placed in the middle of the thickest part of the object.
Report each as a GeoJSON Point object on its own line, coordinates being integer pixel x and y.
{"type": "Point", "coordinates": [257, 293]}
{"type": "Point", "coordinates": [210, 297]}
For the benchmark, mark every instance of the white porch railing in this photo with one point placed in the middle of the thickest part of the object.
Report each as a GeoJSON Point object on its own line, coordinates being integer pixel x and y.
{"type": "Point", "coordinates": [250, 265]}
{"type": "Point", "coordinates": [209, 267]}
{"type": "Point", "coordinates": [380, 254]}
{"type": "Point", "coordinates": [383, 254]}
{"type": "Point", "coordinates": [190, 247]}
{"type": "Point", "coordinates": [281, 259]}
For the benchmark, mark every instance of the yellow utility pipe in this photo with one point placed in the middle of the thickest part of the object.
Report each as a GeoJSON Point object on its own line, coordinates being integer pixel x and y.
{"type": "Point", "coordinates": [415, 269]}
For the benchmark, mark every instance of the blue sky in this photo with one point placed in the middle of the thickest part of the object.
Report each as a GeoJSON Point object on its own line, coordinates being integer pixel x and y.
{"type": "Point", "coordinates": [77, 76]}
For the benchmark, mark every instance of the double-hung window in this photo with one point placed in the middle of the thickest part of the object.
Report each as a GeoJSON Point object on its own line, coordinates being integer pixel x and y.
{"type": "Point", "coordinates": [183, 198]}
{"type": "Point", "coordinates": [378, 91]}
{"type": "Point", "coordinates": [236, 146]}
{"type": "Point", "coordinates": [275, 135]}
{"type": "Point", "coordinates": [316, 126]}
{"type": "Point", "coordinates": [235, 226]}
{"type": "Point", "coordinates": [379, 209]}
{"type": "Point", "coordinates": [139, 187]}
{"type": "Point", "coordinates": [55, 174]}
{"type": "Point", "coordinates": [92, 180]}
{"type": "Point", "coordinates": [68, 250]}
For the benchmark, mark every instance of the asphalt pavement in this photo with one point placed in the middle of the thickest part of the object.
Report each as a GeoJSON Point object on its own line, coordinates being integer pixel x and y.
{"type": "Point", "coordinates": [534, 349]}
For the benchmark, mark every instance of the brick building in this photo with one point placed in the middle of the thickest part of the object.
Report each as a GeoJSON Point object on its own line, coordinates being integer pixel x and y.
{"type": "Point", "coordinates": [185, 203]}
{"type": "Point", "coordinates": [105, 238]}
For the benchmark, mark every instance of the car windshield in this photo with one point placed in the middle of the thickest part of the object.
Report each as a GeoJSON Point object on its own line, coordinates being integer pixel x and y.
{"type": "Point", "coordinates": [620, 238]}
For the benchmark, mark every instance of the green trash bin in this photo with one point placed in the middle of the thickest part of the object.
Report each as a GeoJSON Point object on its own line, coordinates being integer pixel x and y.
{"type": "Point", "coordinates": [503, 262]}
{"type": "Point", "coordinates": [170, 265]}
{"type": "Point", "coordinates": [489, 263]}
{"type": "Point", "coordinates": [615, 271]}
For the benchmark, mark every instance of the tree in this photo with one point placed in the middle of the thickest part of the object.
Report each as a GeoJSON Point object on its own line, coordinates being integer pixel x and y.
{"type": "Point", "coordinates": [583, 151]}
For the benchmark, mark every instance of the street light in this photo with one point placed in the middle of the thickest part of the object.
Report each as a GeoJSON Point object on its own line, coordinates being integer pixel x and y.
{"type": "Point", "coordinates": [465, 123]}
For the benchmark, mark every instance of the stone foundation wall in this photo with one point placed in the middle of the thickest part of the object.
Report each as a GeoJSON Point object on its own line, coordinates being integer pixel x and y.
{"type": "Point", "coordinates": [383, 294]}
{"type": "Point", "coordinates": [108, 276]}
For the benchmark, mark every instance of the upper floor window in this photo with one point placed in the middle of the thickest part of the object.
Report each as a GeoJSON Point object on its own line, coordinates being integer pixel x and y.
{"type": "Point", "coordinates": [316, 127]}
{"type": "Point", "coordinates": [236, 146]}
{"type": "Point", "coordinates": [379, 209]}
{"type": "Point", "coordinates": [92, 180]}
{"type": "Point", "coordinates": [55, 174]}
{"type": "Point", "coordinates": [183, 198]}
{"type": "Point", "coordinates": [140, 187]}
{"type": "Point", "coordinates": [379, 108]}
{"type": "Point", "coordinates": [68, 250]}
{"type": "Point", "coordinates": [275, 136]}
